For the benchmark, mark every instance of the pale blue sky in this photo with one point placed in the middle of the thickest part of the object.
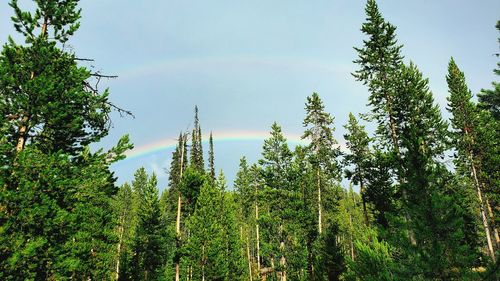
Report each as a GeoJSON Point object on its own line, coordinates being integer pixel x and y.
{"type": "Point", "coordinates": [249, 63]}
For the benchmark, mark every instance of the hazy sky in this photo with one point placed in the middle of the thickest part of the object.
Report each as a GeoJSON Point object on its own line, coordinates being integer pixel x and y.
{"type": "Point", "coordinates": [249, 63]}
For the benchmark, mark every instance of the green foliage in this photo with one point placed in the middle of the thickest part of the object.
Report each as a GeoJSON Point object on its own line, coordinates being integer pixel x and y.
{"type": "Point", "coordinates": [57, 220]}
{"type": "Point", "coordinates": [330, 262]}
{"type": "Point", "coordinates": [148, 248]}
{"type": "Point", "coordinates": [61, 15]}
{"type": "Point", "coordinates": [196, 145]}
{"type": "Point", "coordinates": [62, 217]}
{"type": "Point", "coordinates": [213, 246]}
{"type": "Point", "coordinates": [124, 205]}
{"type": "Point", "coordinates": [379, 62]}
{"type": "Point", "coordinates": [490, 99]}
{"type": "Point", "coordinates": [190, 186]}
{"type": "Point", "coordinates": [211, 158]}
{"type": "Point", "coordinates": [319, 130]}
{"type": "Point", "coordinates": [373, 262]}
{"type": "Point", "coordinates": [179, 162]}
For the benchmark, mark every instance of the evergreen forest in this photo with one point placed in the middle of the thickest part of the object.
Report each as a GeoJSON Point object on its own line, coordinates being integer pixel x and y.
{"type": "Point", "coordinates": [384, 207]}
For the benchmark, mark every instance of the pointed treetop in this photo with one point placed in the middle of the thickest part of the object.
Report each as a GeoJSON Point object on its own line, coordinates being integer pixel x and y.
{"type": "Point", "coordinates": [357, 141]}
{"type": "Point", "coordinates": [211, 157]}
{"type": "Point", "coordinates": [57, 20]}
{"type": "Point", "coordinates": [275, 148]}
{"type": "Point", "coordinates": [490, 99]}
{"type": "Point", "coordinates": [196, 144]}
{"type": "Point", "coordinates": [319, 129]}
{"type": "Point", "coordinates": [381, 53]}
{"type": "Point", "coordinates": [221, 181]}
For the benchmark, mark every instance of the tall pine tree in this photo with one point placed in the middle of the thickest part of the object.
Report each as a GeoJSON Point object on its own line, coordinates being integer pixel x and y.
{"type": "Point", "coordinates": [57, 220]}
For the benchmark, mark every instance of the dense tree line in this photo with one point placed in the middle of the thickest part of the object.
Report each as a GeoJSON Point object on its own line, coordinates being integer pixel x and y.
{"type": "Point", "coordinates": [288, 217]}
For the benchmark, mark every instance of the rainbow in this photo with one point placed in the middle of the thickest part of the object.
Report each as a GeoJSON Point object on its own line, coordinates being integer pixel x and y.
{"type": "Point", "coordinates": [208, 63]}
{"type": "Point", "coordinates": [170, 143]}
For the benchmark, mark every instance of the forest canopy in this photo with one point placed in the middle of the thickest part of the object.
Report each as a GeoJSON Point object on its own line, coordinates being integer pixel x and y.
{"type": "Point", "coordinates": [385, 207]}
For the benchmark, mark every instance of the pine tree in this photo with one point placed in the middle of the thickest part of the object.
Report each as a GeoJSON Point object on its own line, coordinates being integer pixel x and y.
{"type": "Point", "coordinates": [357, 141]}
{"type": "Point", "coordinates": [436, 217]}
{"type": "Point", "coordinates": [244, 190]}
{"type": "Point", "coordinates": [323, 147]}
{"type": "Point", "coordinates": [126, 214]}
{"type": "Point", "coordinates": [179, 162]}
{"type": "Point", "coordinates": [307, 216]}
{"type": "Point", "coordinates": [211, 157]}
{"type": "Point", "coordinates": [39, 79]}
{"type": "Point", "coordinates": [147, 244]}
{"type": "Point", "coordinates": [411, 126]}
{"type": "Point", "coordinates": [469, 154]}
{"type": "Point", "coordinates": [490, 99]}
{"type": "Point", "coordinates": [380, 60]}
{"type": "Point", "coordinates": [282, 197]}
{"type": "Point", "coordinates": [380, 63]}
{"type": "Point", "coordinates": [196, 144]}
{"type": "Point", "coordinates": [213, 245]}
{"type": "Point", "coordinates": [57, 220]}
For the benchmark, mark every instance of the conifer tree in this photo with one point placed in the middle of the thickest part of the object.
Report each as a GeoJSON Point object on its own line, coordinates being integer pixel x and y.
{"type": "Point", "coordinates": [244, 190]}
{"type": "Point", "coordinates": [307, 216]}
{"type": "Point", "coordinates": [213, 244]}
{"type": "Point", "coordinates": [380, 60]}
{"type": "Point", "coordinates": [280, 192]}
{"type": "Point", "coordinates": [436, 217]}
{"type": "Point", "coordinates": [323, 150]}
{"type": "Point", "coordinates": [357, 141]}
{"type": "Point", "coordinates": [38, 79]}
{"type": "Point", "coordinates": [57, 220]}
{"type": "Point", "coordinates": [489, 99]}
{"type": "Point", "coordinates": [411, 126]}
{"type": "Point", "coordinates": [179, 161]}
{"type": "Point", "coordinates": [147, 244]}
{"type": "Point", "coordinates": [211, 157]}
{"type": "Point", "coordinates": [178, 167]}
{"type": "Point", "coordinates": [196, 144]}
{"type": "Point", "coordinates": [469, 154]}
{"type": "Point", "coordinates": [126, 213]}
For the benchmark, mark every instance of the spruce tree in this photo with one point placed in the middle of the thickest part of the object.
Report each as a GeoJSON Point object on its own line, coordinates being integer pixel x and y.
{"type": "Point", "coordinates": [275, 171]}
{"type": "Point", "coordinates": [489, 99]}
{"type": "Point", "coordinates": [179, 162]}
{"type": "Point", "coordinates": [126, 215]}
{"type": "Point", "coordinates": [147, 243]}
{"type": "Point", "coordinates": [379, 62]}
{"type": "Point", "coordinates": [243, 188]}
{"type": "Point", "coordinates": [360, 158]}
{"type": "Point", "coordinates": [213, 244]}
{"type": "Point", "coordinates": [323, 147]}
{"type": "Point", "coordinates": [196, 144]}
{"type": "Point", "coordinates": [211, 157]}
{"type": "Point", "coordinates": [437, 218]}
{"type": "Point", "coordinates": [469, 160]}
{"type": "Point", "coordinates": [57, 220]}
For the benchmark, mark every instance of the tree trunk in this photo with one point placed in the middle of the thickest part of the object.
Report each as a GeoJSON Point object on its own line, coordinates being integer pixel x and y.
{"type": "Point", "coordinates": [119, 248]}
{"type": "Point", "coordinates": [249, 261]}
{"type": "Point", "coordinates": [257, 235]}
{"type": "Point", "coordinates": [482, 208]}
{"type": "Point", "coordinates": [203, 263]}
{"type": "Point", "coordinates": [282, 273]}
{"type": "Point", "coordinates": [362, 193]}
{"type": "Point", "coordinates": [320, 227]}
{"type": "Point", "coordinates": [351, 243]}
{"type": "Point", "coordinates": [493, 225]}
{"type": "Point", "coordinates": [179, 206]}
{"type": "Point", "coordinates": [23, 128]}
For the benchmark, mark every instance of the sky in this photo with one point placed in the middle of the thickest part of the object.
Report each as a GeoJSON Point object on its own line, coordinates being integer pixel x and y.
{"type": "Point", "coordinates": [247, 64]}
